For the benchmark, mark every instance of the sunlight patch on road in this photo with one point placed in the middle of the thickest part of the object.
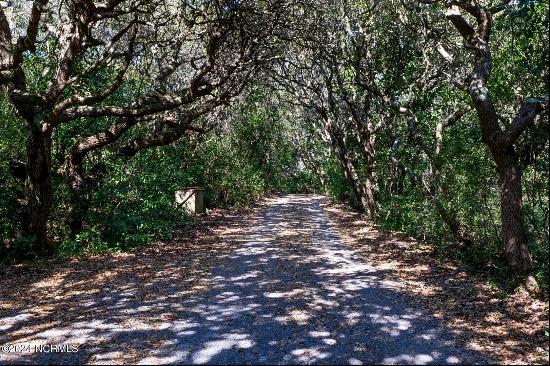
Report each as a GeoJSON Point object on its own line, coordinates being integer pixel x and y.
{"type": "Point", "coordinates": [309, 355]}
{"type": "Point", "coordinates": [421, 359]}
{"type": "Point", "coordinates": [288, 294]}
{"type": "Point", "coordinates": [213, 348]}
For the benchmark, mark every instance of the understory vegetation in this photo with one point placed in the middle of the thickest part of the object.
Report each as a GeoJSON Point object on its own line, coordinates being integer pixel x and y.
{"type": "Point", "coordinates": [431, 117]}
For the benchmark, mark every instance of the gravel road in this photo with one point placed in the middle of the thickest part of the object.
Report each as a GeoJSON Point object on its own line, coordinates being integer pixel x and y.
{"type": "Point", "coordinates": [290, 292]}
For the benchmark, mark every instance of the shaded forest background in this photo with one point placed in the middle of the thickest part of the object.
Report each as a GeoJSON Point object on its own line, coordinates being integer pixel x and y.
{"type": "Point", "coordinates": [379, 104]}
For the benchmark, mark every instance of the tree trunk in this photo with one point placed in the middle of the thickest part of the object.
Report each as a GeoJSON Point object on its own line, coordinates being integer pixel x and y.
{"type": "Point", "coordinates": [515, 246]}
{"type": "Point", "coordinates": [370, 207]}
{"type": "Point", "coordinates": [76, 183]}
{"type": "Point", "coordinates": [365, 139]}
{"type": "Point", "coordinates": [38, 189]}
{"type": "Point", "coordinates": [349, 172]}
{"type": "Point", "coordinates": [79, 208]}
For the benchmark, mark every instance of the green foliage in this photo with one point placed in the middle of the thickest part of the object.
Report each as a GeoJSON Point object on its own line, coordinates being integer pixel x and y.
{"type": "Point", "coordinates": [337, 186]}
{"type": "Point", "coordinates": [130, 202]}
{"type": "Point", "coordinates": [11, 150]}
{"type": "Point", "coordinates": [232, 180]}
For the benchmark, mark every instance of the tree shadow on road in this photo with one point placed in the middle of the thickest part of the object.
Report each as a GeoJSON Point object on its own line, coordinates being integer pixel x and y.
{"type": "Point", "coordinates": [508, 328]}
{"type": "Point", "coordinates": [276, 286]}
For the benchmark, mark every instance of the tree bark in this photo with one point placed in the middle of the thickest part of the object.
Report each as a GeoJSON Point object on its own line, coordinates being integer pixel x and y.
{"type": "Point", "coordinates": [515, 247]}
{"type": "Point", "coordinates": [370, 206]}
{"type": "Point", "coordinates": [76, 183]}
{"type": "Point", "coordinates": [366, 140]}
{"type": "Point", "coordinates": [38, 189]}
{"type": "Point", "coordinates": [349, 171]}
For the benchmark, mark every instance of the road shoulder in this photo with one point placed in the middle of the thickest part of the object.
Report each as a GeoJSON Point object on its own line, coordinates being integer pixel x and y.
{"type": "Point", "coordinates": [507, 328]}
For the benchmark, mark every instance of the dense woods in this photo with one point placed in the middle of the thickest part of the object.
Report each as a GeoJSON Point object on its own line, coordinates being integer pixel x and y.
{"type": "Point", "coordinates": [431, 117]}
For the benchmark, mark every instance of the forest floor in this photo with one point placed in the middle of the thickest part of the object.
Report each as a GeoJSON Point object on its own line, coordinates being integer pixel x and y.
{"type": "Point", "coordinates": [294, 280]}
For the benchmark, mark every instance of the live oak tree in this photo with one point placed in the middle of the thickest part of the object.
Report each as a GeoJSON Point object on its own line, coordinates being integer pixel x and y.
{"type": "Point", "coordinates": [175, 61]}
{"type": "Point", "coordinates": [498, 133]}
